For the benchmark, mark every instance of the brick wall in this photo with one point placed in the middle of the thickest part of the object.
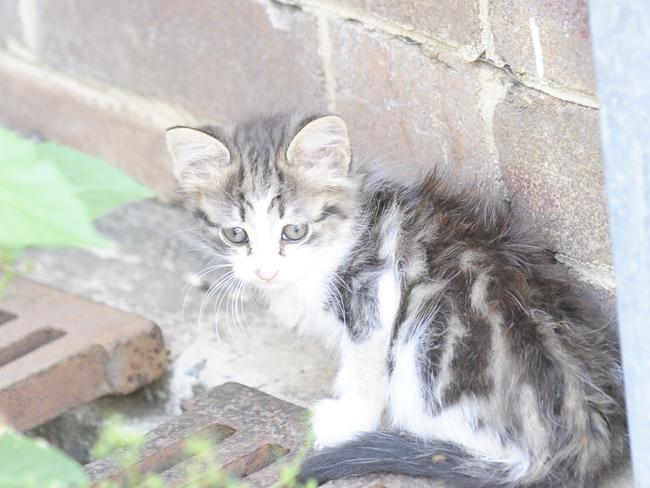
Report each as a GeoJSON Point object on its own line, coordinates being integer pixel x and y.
{"type": "Point", "coordinates": [501, 88]}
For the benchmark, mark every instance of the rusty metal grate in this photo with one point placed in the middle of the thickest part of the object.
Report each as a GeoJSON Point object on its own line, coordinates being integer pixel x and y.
{"type": "Point", "coordinates": [59, 351]}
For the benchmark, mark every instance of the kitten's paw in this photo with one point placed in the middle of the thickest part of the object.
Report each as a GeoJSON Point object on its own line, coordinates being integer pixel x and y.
{"type": "Point", "coordinates": [337, 421]}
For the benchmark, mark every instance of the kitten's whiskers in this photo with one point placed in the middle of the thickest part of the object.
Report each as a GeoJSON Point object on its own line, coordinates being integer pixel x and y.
{"type": "Point", "coordinates": [200, 275]}
{"type": "Point", "coordinates": [212, 290]}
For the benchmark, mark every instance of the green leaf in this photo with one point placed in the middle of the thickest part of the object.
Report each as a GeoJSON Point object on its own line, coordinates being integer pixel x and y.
{"type": "Point", "coordinates": [115, 435]}
{"type": "Point", "coordinates": [38, 207]}
{"type": "Point", "coordinates": [15, 149]}
{"type": "Point", "coordinates": [100, 186]}
{"type": "Point", "coordinates": [32, 463]}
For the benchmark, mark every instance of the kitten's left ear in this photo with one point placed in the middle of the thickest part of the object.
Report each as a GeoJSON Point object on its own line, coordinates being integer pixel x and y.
{"type": "Point", "coordinates": [197, 155]}
{"type": "Point", "coordinates": [322, 144]}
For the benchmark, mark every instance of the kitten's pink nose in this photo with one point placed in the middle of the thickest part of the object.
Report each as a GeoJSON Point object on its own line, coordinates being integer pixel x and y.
{"type": "Point", "coordinates": [267, 274]}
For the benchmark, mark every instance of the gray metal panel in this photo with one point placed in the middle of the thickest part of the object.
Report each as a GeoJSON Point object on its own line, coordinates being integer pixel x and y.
{"type": "Point", "coordinates": [621, 37]}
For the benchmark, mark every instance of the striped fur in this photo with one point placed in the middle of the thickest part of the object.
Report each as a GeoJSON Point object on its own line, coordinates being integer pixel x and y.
{"type": "Point", "coordinates": [452, 323]}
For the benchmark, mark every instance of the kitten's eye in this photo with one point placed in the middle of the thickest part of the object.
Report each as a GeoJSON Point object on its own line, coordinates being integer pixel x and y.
{"type": "Point", "coordinates": [236, 235]}
{"type": "Point", "coordinates": [294, 232]}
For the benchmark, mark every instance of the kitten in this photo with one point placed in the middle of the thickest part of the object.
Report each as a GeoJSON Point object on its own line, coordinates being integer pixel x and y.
{"type": "Point", "coordinates": [451, 324]}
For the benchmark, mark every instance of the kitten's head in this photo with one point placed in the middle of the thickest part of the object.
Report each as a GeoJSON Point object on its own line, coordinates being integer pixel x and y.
{"type": "Point", "coordinates": [274, 196]}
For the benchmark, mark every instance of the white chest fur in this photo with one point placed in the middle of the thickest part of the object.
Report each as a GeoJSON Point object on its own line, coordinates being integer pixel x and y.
{"type": "Point", "coordinates": [303, 310]}
{"type": "Point", "coordinates": [361, 386]}
{"type": "Point", "coordinates": [388, 295]}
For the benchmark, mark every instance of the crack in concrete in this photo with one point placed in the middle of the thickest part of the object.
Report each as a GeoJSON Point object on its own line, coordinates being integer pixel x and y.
{"type": "Point", "coordinates": [543, 86]}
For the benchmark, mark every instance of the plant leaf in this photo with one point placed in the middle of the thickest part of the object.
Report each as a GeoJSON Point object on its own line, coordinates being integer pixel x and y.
{"type": "Point", "coordinates": [32, 463]}
{"type": "Point", "coordinates": [38, 207]}
{"type": "Point", "coordinates": [100, 186]}
{"type": "Point", "coordinates": [15, 149]}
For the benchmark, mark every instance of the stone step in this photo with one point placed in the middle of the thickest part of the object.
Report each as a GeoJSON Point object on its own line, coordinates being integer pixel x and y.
{"type": "Point", "coordinates": [254, 434]}
{"type": "Point", "coordinates": [59, 351]}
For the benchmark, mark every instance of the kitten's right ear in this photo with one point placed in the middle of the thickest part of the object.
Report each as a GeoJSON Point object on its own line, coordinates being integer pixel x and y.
{"type": "Point", "coordinates": [322, 145]}
{"type": "Point", "coordinates": [197, 156]}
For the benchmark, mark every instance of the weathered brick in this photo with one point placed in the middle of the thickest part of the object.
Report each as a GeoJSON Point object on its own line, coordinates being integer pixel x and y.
{"type": "Point", "coordinates": [60, 351]}
{"type": "Point", "coordinates": [551, 160]}
{"type": "Point", "coordinates": [564, 37]}
{"type": "Point", "coordinates": [404, 108]}
{"type": "Point", "coordinates": [214, 58]}
{"type": "Point", "coordinates": [34, 104]}
{"type": "Point", "coordinates": [240, 421]}
{"type": "Point", "coordinates": [455, 22]}
{"type": "Point", "coordinates": [10, 27]}
{"type": "Point", "coordinates": [254, 435]}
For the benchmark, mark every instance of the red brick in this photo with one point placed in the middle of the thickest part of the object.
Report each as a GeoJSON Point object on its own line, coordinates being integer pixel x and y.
{"type": "Point", "coordinates": [406, 109]}
{"type": "Point", "coordinates": [34, 104]}
{"type": "Point", "coordinates": [61, 351]}
{"type": "Point", "coordinates": [551, 161]}
{"type": "Point", "coordinates": [214, 58]}
{"type": "Point", "coordinates": [455, 22]}
{"type": "Point", "coordinates": [564, 36]}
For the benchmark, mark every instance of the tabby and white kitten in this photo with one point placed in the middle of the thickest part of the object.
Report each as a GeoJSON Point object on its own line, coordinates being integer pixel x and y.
{"type": "Point", "coordinates": [453, 327]}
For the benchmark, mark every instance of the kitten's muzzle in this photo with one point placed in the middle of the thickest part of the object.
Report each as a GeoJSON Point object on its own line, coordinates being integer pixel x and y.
{"type": "Point", "coordinates": [267, 274]}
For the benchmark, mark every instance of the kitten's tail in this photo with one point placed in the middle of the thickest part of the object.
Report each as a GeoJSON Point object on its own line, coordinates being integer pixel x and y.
{"type": "Point", "coordinates": [386, 452]}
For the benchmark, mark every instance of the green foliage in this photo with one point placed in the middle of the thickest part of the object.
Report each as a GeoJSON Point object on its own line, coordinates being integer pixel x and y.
{"type": "Point", "coordinates": [99, 186]}
{"type": "Point", "coordinates": [38, 207]}
{"type": "Point", "coordinates": [202, 470]}
{"type": "Point", "coordinates": [32, 463]}
{"type": "Point", "coordinates": [124, 445]}
{"type": "Point", "coordinates": [7, 269]}
{"type": "Point", "coordinates": [290, 471]}
{"type": "Point", "coordinates": [50, 194]}
{"type": "Point", "coordinates": [114, 436]}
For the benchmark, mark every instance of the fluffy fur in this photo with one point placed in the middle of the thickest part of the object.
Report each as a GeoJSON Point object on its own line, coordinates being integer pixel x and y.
{"type": "Point", "coordinates": [451, 322]}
